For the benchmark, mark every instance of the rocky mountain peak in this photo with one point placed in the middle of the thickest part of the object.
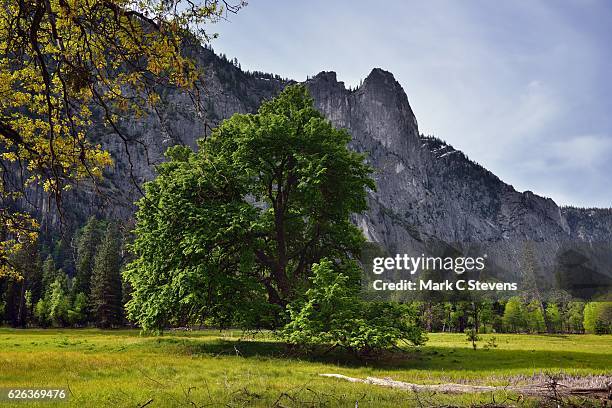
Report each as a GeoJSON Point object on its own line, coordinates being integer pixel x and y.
{"type": "Point", "coordinates": [329, 77]}
{"type": "Point", "coordinates": [382, 107]}
{"type": "Point", "coordinates": [379, 77]}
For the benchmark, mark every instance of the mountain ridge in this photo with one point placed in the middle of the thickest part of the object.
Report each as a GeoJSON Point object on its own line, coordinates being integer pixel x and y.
{"type": "Point", "coordinates": [427, 191]}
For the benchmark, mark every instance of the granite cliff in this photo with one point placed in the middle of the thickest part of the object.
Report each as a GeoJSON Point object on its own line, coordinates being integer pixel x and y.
{"type": "Point", "coordinates": [428, 193]}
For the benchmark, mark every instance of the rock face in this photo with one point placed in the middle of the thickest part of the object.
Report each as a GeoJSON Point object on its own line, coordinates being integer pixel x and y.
{"type": "Point", "coordinates": [430, 194]}
{"type": "Point", "coordinates": [427, 192]}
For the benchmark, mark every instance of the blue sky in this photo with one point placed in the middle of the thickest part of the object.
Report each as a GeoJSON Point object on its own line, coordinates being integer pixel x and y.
{"type": "Point", "coordinates": [522, 87]}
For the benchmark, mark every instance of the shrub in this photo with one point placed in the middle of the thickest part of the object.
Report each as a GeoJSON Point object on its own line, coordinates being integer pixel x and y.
{"type": "Point", "coordinates": [491, 343]}
{"type": "Point", "coordinates": [334, 315]}
{"type": "Point", "coordinates": [472, 336]}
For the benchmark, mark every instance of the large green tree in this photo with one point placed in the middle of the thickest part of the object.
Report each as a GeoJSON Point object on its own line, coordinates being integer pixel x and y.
{"type": "Point", "coordinates": [223, 232]}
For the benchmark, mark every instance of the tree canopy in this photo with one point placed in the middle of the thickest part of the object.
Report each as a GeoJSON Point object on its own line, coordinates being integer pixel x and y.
{"type": "Point", "coordinates": [231, 231]}
{"type": "Point", "coordinates": [67, 63]}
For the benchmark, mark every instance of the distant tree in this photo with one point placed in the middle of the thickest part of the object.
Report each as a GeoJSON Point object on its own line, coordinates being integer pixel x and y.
{"type": "Point", "coordinates": [535, 318]}
{"type": "Point", "coordinates": [463, 316]}
{"type": "Point", "coordinates": [87, 241]}
{"type": "Point", "coordinates": [63, 254]}
{"type": "Point", "coordinates": [58, 303]}
{"type": "Point", "coordinates": [514, 315]}
{"type": "Point", "coordinates": [13, 287]}
{"type": "Point", "coordinates": [598, 317]}
{"type": "Point", "coordinates": [554, 317]}
{"type": "Point", "coordinates": [432, 315]}
{"type": "Point", "coordinates": [457, 318]}
{"type": "Point", "coordinates": [41, 312]}
{"type": "Point", "coordinates": [29, 304]}
{"type": "Point", "coordinates": [591, 314]}
{"type": "Point", "coordinates": [473, 337]}
{"type": "Point", "coordinates": [574, 317]}
{"type": "Point", "coordinates": [49, 275]}
{"type": "Point", "coordinates": [77, 313]}
{"type": "Point", "coordinates": [486, 316]}
{"type": "Point", "coordinates": [446, 318]}
{"type": "Point", "coordinates": [26, 261]}
{"type": "Point", "coordinates": [106, 280]}
{"type": "Point", "coordinates": [479, 315]}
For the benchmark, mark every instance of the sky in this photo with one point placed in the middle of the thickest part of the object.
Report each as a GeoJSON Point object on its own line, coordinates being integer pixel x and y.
{"type": "Point", "coordinates": [522, 87]}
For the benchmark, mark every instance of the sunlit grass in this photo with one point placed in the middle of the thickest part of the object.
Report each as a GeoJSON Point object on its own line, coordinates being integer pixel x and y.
{"type": "Point", "coordinates": [212, 368]}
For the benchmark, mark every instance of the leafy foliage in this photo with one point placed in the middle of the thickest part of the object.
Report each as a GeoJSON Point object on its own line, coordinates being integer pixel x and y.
{"type": "Point", "coordinates": [334, 315]}
{"type": "Point", "coordinates": [598, 317]}
{"type": "Point", "coordinates": [232, 230]}
{"type": "Point", "coordinates": [534, 317]}
{"type": "Point", "coordinates": [64, 63]}
{"type": "Point", "coordinates": [575, 317]}
{"type": "Point", "coordinates": [514, 315]}
{"type": "Point", "coordinates": [57, 308]}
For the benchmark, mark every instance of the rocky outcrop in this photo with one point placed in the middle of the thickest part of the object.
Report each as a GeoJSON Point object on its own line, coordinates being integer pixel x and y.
{"type": "Point", "coordinates": [428, 193]}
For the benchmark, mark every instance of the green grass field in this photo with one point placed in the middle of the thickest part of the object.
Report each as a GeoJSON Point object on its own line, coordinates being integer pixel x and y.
{"type": "Point", "coordinates": [211, 368]}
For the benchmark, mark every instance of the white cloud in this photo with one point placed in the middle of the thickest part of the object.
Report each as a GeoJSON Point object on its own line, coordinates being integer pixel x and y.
{"type": "Point", "coordinates": [515, 85]}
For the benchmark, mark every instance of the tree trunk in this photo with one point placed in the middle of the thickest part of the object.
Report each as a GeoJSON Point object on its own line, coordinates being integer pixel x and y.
{"type": "Point", "coordinates": [21, 306]}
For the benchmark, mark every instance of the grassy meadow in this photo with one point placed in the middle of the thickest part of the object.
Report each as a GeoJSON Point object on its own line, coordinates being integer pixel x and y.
{"type": "Point", "coordinates": [211, 368]}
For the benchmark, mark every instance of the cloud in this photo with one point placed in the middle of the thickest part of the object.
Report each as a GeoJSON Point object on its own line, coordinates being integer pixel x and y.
{"type": "Point", "coordinates": [515, 85]}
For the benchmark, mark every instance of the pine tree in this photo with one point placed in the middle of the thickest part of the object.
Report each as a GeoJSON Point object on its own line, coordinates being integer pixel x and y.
{"type": "Point", "coordinates": [106, 280]}
{"type": "Point", "coordinates": [87, 242]}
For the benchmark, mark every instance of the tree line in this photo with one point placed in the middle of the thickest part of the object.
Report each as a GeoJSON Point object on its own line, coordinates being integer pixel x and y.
{"type": "Point", "coordinates": [93, 293]}
{"type": "Point", "coordinates": [517, 315]}
{"type": "Point", "coordinates": [89, 293]}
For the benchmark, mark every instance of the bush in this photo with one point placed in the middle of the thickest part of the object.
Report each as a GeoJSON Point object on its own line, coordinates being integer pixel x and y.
{"type": "Point", "coordinates": [334, 315]}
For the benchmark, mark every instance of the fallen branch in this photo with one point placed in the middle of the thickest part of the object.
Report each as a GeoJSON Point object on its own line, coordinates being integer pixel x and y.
{"type": "Point", "coordinates": [540, 389]}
